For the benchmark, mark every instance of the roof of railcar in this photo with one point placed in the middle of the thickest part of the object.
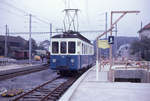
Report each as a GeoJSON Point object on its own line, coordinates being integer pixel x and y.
{"type": "Point", "coordinates": [72, 34]}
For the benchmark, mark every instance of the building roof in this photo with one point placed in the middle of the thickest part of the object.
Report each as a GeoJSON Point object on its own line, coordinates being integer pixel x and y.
{"type": "Point", "coordinates": [72, 34]}
{"type": "Point", "coordinates": [145, 28]}
{"type": "Point", "coordinates": [12, 38]}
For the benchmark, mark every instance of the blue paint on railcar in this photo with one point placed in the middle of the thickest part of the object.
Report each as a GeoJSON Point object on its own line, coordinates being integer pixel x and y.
{"type": "Point", "coordinates": [64, 62]}
{"type": "Point", "coordinates": [70, 62]}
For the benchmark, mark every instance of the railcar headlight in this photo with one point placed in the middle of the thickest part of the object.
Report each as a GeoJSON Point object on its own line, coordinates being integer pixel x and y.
{"type": "Point", "coordinates": [72, 60]}
{"type": "Point", "coordinates": [54, 60]}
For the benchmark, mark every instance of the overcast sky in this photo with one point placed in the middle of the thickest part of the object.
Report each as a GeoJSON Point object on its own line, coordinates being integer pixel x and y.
{"type": "Point", "coordinates": [91, 15]}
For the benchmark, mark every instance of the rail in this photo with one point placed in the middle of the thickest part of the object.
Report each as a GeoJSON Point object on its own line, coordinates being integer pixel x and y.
{"type": "Point", "coordinates": [50, 90]}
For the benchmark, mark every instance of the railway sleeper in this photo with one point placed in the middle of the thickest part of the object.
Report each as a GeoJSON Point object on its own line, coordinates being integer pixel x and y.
{"type": "Point", "coordinates": [52, 98]}
{"type": "Point", "coordinates": [56, 96]}
{"type": "Point", "coordinates": [54, 86]}
{"type": "Point", "coordinates": [31, 98]}
{"type": "Point", "coordinates": [44, 92]}
{"type": "Point", "coordinates": [60, 89]}
{"type": "Point", "coordinates": [56, 93]}
{"type": "Point", "coordinates": [34, 96]}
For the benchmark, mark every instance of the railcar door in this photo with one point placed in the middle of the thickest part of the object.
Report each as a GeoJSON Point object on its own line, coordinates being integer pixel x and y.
{"type": "Point", "coordinates": [72, 58]}
{"type": "Point", "coordinates": [63, 51]}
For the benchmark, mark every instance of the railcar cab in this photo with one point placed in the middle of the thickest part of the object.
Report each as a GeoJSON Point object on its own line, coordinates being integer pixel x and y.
{"type": "Point", "coordinates": [63, 46]}
{"type": "Point", "coordinates": [67, 50]}
{"type": "Point", "coordinates": [71, 43]}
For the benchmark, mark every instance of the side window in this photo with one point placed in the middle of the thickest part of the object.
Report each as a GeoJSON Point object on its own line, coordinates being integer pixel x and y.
{"type": "Point", "coordinates": [79, 47]}
{"type": "Point", "coordinates": [71, 47]}
{"type": "Point", "coordinates": [55, 47]}
{"type": "Point", "coordinates": [63, 47]}
{"type": "Point", "coordinates": [82, 49]}
{"type": "Point", "coordinates": [79, 43]}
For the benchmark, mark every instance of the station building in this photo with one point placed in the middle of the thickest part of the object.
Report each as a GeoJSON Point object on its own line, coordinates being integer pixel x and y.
{"type": "Point", "coordinates": [16, 46]}
{"type": "Point", "coordinates": [145, 31]}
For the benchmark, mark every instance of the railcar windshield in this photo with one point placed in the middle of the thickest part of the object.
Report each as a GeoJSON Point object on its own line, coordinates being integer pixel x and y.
{"type": "Point", "coordinates": [71, 47]}
{"type": "Point", "coordinates": [63, 47]}
{"type": "Point", "coordinates": [55, 47]}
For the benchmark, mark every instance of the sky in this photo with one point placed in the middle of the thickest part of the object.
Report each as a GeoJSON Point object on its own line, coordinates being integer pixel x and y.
{"type": "Point", "coordinates": [91, 16]}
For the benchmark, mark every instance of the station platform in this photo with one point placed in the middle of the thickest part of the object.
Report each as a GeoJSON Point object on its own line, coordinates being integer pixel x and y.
{"type": "Point", "coordinates": [90, 88]}
{"type": "Point", "coordinates": [12, 68]}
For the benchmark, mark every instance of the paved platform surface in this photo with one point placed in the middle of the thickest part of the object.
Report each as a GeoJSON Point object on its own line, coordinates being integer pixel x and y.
{"type": "Point", "coordinates": [11, 68]}
{"type": "Point", "coordinates": [14, 66]}
{"type": "Point", "coordinates": [88, 88]}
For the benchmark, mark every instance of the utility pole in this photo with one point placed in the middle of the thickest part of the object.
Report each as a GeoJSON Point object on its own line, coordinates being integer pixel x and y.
{"type": "Point", "coordinates": [30, 41]}
{"type": "Point", "coordinates": [141, 25]}
{"type": "Point", "coordinates": [106, 23]}
{"type": "Point", "coordinates": [6, 47]}
{"type": "Point", "coordinates": [116, 30]}
{"type": "Point", "coordinates": [110, 49]}
{"type": "Point", "coordinates": [50, 35]}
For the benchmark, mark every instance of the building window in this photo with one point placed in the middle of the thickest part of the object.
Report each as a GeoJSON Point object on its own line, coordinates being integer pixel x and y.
{"type": "Point", "coordinates": [71, 47]}
{"type": "Point", "coordinates": [63, 47]}
{"type": "Point", "coordinates": [55, 47]}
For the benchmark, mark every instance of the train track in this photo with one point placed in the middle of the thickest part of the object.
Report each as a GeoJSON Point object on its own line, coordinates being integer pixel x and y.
{"type": "Point", "coordinates": [22, 72]}
{"type": "Point", "coordinates": [48, 91]}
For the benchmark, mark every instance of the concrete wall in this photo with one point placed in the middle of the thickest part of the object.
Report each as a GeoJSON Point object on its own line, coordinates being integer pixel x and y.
{"type": "Point", "coordinates": [141, 74]}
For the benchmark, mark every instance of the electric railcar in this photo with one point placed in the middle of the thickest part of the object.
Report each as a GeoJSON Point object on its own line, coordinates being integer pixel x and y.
{"type": "Point", "coordinates": [71, 52]}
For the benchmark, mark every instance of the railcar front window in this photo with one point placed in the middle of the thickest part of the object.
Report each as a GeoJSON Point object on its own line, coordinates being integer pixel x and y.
{"type": "Point", "coordinates": [71, 47]}
{"type": "Point", "coordinates": [63, 47]}
{"type": "Point", "coordinates": [55, 47]}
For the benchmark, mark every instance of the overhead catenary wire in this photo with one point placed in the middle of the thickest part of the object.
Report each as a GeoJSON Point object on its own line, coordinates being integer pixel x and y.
{"type": "Point", "coordinates": [41, 20]}
{"type": "Point", "coordinates": [14, 7]}
{"type": "Point", "coordinates": [22, 11]}
{"type": "Point", "coordinates": [38, 17]}
{"type": "Point", "coordinates": [11, 12]}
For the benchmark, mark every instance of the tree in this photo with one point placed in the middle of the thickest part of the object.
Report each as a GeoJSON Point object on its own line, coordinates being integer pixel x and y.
{"type": "Point", "coordinates": [143, 47]}
{"type": "Point", "coordinates": [34, 45]}
{"type": "Point", "coordinates": [1, 49]}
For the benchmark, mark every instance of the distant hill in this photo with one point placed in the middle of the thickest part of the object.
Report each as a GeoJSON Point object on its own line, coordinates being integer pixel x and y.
{"type": "Point", "coordinates": [123, 40]}
{"type": "Point", "coordinates": [118, 41]}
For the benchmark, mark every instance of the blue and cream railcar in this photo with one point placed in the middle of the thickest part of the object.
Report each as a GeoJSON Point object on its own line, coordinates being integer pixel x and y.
{"type": "Point", "coordinates": [71, 51]}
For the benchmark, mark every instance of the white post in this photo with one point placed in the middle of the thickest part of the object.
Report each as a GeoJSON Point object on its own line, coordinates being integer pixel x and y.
{"type": "Point", "coordinates": [97, 64]}
{"type": "Point", "coordinates": [6, 43]}
{"type": "Point", "coordinates": [97, 71]}
{"type": "Point", "coordinates": [30, 41]}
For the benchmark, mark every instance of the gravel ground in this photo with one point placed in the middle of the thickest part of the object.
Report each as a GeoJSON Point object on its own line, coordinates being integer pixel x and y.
{"type": "Point", "coordinates": [27, 82]}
